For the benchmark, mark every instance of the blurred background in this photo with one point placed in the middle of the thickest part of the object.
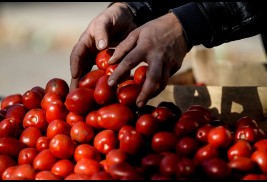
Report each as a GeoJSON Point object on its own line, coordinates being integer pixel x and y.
{"type": "Point", "coordinates": [36, 39]}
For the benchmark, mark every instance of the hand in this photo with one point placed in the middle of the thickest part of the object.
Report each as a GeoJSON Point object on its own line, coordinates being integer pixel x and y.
{"type": "Point", "coordinates": [113, 24]}
{"type": "Point", "coordinates": [161, 44]}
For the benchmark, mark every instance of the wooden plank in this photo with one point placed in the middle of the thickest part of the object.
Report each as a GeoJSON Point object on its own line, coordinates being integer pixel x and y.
{"type": "Point", "coordinates": [226, 103]}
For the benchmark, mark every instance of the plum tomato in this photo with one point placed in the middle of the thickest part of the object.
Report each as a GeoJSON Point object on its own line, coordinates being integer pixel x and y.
{"type": "Point", "coordinates": [122, 170]}
{"type": "Point", "coordinates": [92, 119]}
{"type": "Point", "coordinates": [206, 152]}
{"type": "Point", "coordinates": [17, 112]}
{"type": "Point", "coordinates": [11, 146]}
{"type": "Point", "coordinates": [202, 133]}
{"type": "Point", "coordinates": [46, 175]}
{"type": "Point", "coordinates": [105, 141]}
{"type": "Point", "coordinates": [73, 118]}
{"type": "Point", "coordinates": [63, 168]}
{"type": "Point", "coordinates": [89, 80]}
{"type": "Point", "coordinates": [241, 148]}
{"type": "Point", "coordinates": [24, 171]}
{"type": "Point", "coordinates": [8, 128]}
{"type": "Point", "coordinates": [185, 167]}
{"type": "Point", "coordinates": [42, 143]}
{"type": "Point", "coordinates": [253, 176]}
{"type": "Point", "coordinates": [75, 176]}
{"type": "Point", "coordinates": [187, 146]}
{"type": "Point", "coordinates": [30, 135]}
{"type": "Point", "coordinates": [186, 126]}
{"type": "Point", "coordinates": [56, 110]}
{"type": "Point", "coordinates": [242, 164]}
{"type": "Point", "coordinates": [80, 100]}
{"type": "Point", "coordinates": [168, 164]}
{"type": "Point", "coordinates": [31, 99]}
{"type": "Point", "coordinates": [260, 157]}
{"type": "Point", "coordinates": [110, 69]}
{"type": "Point", "coordinates": [147, 124]}
{"type": "Point", "coordinates": [11, 100]}
{"type": "Point", "coordinates": [140, 74]}
{"type": "Point", "coordinates": [57, 85]}
{"type": "Point", "coordinates": [82, 132]}
{"type": "Point", "coordinates": [124, 84]}
{"type": "Point", "coordinates": [220, 137]}
{"type": "Point", "coordinates": [114, 116]}
{"type": "Point", "coordinates": [102, 58]}
{"type": "Point", "coordinates": [27, 155]}
{"type": "Point", "coordinates": [164, 141]}
{"type": "Point", "coordinates": [246, 121]}
{"type": "Point", "coordinates": [35, 117]}
{"type": "Point", "coordinates": [101, 175]}
{"type": "Point", "coordinates": [44, 160]}
{"type": "Point", "coordinates": [86, 150]}
{"type": "Point", "coordinates": [49, 98]}
{"type": "Point", "coordinates": [40, 90]}
{"type": "Point", "coordinates": [87, 166]}
{"type": "Point", "coordinates": [116, 156]}
{"type": "Point", "coordinates": [5, 162]}
{"type": "Point", "coordinates": [57, 126]}
{"type": "Point", "coordinates": [128, 94]}
{"type": "Point", "coordinates": [246, 133]}
{"type": "Point", "coordinates": [260, 145]}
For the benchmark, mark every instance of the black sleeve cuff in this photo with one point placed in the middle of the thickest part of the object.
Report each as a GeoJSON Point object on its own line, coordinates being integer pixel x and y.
{"type": "Point", "coordinates": [195, 26]}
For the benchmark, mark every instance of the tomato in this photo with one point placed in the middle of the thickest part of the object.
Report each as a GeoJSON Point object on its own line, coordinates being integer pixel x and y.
{"type": "Point", "coordinates": [57, 126]}
{"type": "Point", "coordinates": [27, 155]}
{"type": "Point", "coordinates": [147, 124]}
{"type": "Point", "coordinates": [216, 168]}
{"type": "Point", "coordinates": [187, 146]}
{"type": "Point", "coordinates": [101, 175]}
{"type": "Point", "coordinates": [62, 146]}
{"type": "Point", "coordinates": [246, 121]}
{"type": "Point", "coordinates": [206, 152]}
{"type": "Point", "coordinates": [48, 98]}
{"type": "Point", "coordinates": [87, 166]}
{"type": "Point", "coordinates": [205, 111]}
{"type": "Point", "coordinates": [164, 141]}
{"type": "Point", "coordinates": [168, 164]}
{"type": "Point", "coordinates": [30, 135]}
{"type": "Point", "coordinates": [151, 162]}
{"type": "Point", "coordinates": [63, 168]}
{"type": "Point", "coordinates": [140, 74]}
{"type": "Point", "coordinates": [114, 116]}
{"type": "Point", "coordinates": [5, 162]}
{"type": "Point", "coordinates": [90, 79]}
{"type": "Point", "coordinates": [246, 133]}
{"type": "Point", "coordinates": [202, 133]}
{"type": "Point", "coordinates": [11, 100]}
{"type": "Point", "coordinates": [201, 117]}
{"type": "Point", "coordinates": [121, 170]}
{"type": "Point", "coordinates": [105, 141]}
{"type": "Point", "coordinates": [44, 160]}
{"type": "Point", "coordinates": [82, 132]}
{"type": "Point", "coordinates": [46, 175]}
{"type": "Point", "coordinates": [186, 126]}
{"type": "Point", "coordinates": [176, 111]}
{"type": "Point", "coordinates": [260, 157]}
{"type": "Point", "coordinates": [128, 94]}
{"type": "Point", "coordinates": [17, 112]}
{"type": "Point", "coordinates": [10, 146]}
{"type": "Point", "coordinates": [185, 167]}
{"type": "Point", "coordinates": [260, 145]}
{"type": "Point", "coordinates": [103, 93]}
{"type": "Point", "coordinates": [73, 117]}
{"type": "Point", "coordinates": [8, 128]}
{"type": "Point", "coordinates": [124, 83]}
{"type": "Point", "coordinates": [102, 58]}
{"type": "Point", "coordinates": [165, 115]}
{"type": "Point", "coordinates": [31, 99]}
{"type": "Point", "coordinates": [125, 129]}
{"type": "Point", "coordinates": [110, 69]}
{"type": "Point", "coordinates": [35, 117]}
{"type": "Point", "coordinates": [131, 142]}
{"type": "Point", "coordinates": [116, 156]}
{"type": "Point", "coordinates": [80, 100]}
{"type": "Point", "coordinates": [75, 176]}
{"type": "Point", "coordinates": [242, 164]}
{"type": "Point", "coordinates": [24, 171]}
{"type": "Point", "coordinates": [56, 110]}
{"type": "Point", "coordinates": [157, 176]}
{"type": "Point", "coordinates": [57, 85]}
{"type": "Point", "coordinates": [7, 173]}
{"type": "Point", "coordinates": [92, 119]}
{"type": "Point", "coordinates": [240, 148]}
{"type": "Point", "coordinates": [42, 143]}
{"type": "Point", "coordinates": [86, 150]}
{"type": "Point", "coordinates": [40, 90]}
{"type": "Point", "coordinates": [252, 176]}
{"type": "Point", "coordinates": [220, 137]}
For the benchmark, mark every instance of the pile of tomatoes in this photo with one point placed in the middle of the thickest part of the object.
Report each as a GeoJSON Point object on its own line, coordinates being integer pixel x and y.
{"type": "Point", "coordinates": [96, 132]}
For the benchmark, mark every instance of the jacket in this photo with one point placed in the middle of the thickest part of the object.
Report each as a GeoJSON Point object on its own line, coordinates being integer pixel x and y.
{"type": "Point", "coordinates": [207, 23]}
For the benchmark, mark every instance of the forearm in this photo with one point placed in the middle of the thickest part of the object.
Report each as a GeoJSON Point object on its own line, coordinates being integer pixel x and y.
{"type": "Point", "coordinates": [214, 23]}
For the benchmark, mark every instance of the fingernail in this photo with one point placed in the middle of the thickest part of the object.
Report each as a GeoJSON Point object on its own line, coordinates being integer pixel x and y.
{"type": "Point", "coordinates": [111, 82]}
{"type": "Point", "coordinates": [140, 104]}
{"type": "Point", "coordinates": [110, 60]}
{"type": "Point", "coordinates": [101, 44]}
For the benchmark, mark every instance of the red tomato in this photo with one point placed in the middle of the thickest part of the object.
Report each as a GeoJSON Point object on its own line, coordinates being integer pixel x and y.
{"type": "Point", "coordinates": [8, 128]}
{"type": "Point", "coordinates": [124, 84]}
{"type": "Point", "coordinates": [202, 133]}
{"type": "Point", "coordinates": [206, 152]}
{"type": "Point", "coordinates": [151, 162]}
{"type": "Point", "coordinates": [125, 129]}
{"type": "Point", "coordinates": [46, 175]}
{"type": "Point", "coordinates": [103, 93]}
{"type": "Point", "coordinates": [260, 145]}
{"type": "Point", "coordinates": [246, 121]}
{"type": "Point", "coordinates": [157, 176]}
{"type": "Point", "coordinates": [24, 171]}
{"type": "Point", "coordinates": [27, 155]}
{"type": "Point", "coordinates": [62, 146]}
{"type": "Point", "coordinates": [168, 164]}
{"type": "Point", "coordinates": [63, 168]}
{"type": "Point", "coordinates": [48, 98]}
{"type": "Point", "coordinates": [110, 69]}
{"type": "Point", "coordinates": [87, 166]}
{"type": "Point", "coordinates": [128, 94]}
{"type": "Point", "coordinates": [140, 74]}
{"type": "Point", "coordinates": [80, 100]}
{"type": "Point", "coordinates": [10, 146]}
{"type": "Point", "coordinates": [30, 135]}
{"type": "Point", "coordinates": [75, 176]}
{"type": "Point", "coordinates": [131, 142]}
{"type": "Point", "coordinates": [186, 167]}
{"type": "Point", "coordinates": [44, 160]}
{"type": "Point", "coordinates": [35, 117]}
{"type": "Point", "coordinates": [205, 111]}
{"type": "Point", "coordinates": [57, 126]}
{"type": "Point", "coordinates": [11, 100]}
{"type": "Point", "coordinates": [260, 157]}
{"type": "Point", "coordinates": [186, 146]}
{"type": "Point", "coordinates": [216, 168]}
{"type": "Point", "coordinates": [186, 126]}
{"type": "Point", "coordinates": [201, 117]}
{"type": "Point", "coordinates": [31, 99]}
{"type": "Point", "coordinates": [252, 176]}
{"type": "Point", "coordinates": [147, 124]}
{"type": "Point", "coordinates": [90, 79]}
{"type": "Point", "coordinates": [57, 85]}
{"type": "Point", "coordinates": [246, 133]}
{"type": "Point", "coordinates": [56, 110]}
{"type": "Point", "coordinates": [101, 175]}
{"type": "Point", "coordinates": [102, 58]}
{"type": "Point", "coordinates": [5, 162]}
{"type": "Point", "coordinates": [73, 117]}
{"type": "Point", "coordinates": [242, 164]}
{"type": "Point", "coordinates": [40, 90]}
{"type": "Point", "coordinates": [114, 116]}
{"type": "Point", "coordinates": [241, 148]}
{"type": "Point", "coordinates": [17, 112]}
{"type": "Point", "coordinates": [86, 150]}
{"type": "Point", "coordinates": [92, 119]}
{"type": "Point", "coordinates": [116, 156]}
{"type": "Point", "coordinates": [82, 132]}
{"type": "Point", "coordinates": [7, 174]}
{"type": "Point", "coordinates": [164, 115]}
{"type": "Point", "coordinates": [164, 141]}
{"type": "Point", "coordinates": [105, 141]}
{"type": "Point", "coordinates": [122, 170]}
{"type": "Point", "coordinates": [220, 137]}
{"type": "Point", "coordinates": [42, 143]}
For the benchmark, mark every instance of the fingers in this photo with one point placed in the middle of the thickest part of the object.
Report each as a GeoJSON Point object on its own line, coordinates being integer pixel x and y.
{"type": "Point", "coordinates": [101, 34]}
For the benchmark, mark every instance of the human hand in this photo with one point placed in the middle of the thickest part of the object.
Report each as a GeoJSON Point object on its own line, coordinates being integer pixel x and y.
{"type": "Point", "coordinates": [161, 44]}
{"type": "Point", "coordinates": [113, 24]}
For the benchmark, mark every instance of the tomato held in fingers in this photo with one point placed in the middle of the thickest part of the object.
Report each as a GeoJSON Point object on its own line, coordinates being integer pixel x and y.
{"type": "Point", "coordinates": [90, 79]}
{"type": "Point", "coordinates": [110, 69]}
{"type": "Point", "coordinates": [140, 74]}
{"type": "Point", "coordinates": [102, 58]}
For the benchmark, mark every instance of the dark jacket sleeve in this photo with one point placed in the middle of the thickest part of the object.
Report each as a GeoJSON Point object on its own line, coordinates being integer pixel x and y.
{"type": "Point", "coordinates": [208, 23]}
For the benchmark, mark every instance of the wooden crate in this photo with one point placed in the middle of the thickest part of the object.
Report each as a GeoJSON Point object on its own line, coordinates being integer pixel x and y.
{"type": "Point", "coordinates": [225, 102]}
